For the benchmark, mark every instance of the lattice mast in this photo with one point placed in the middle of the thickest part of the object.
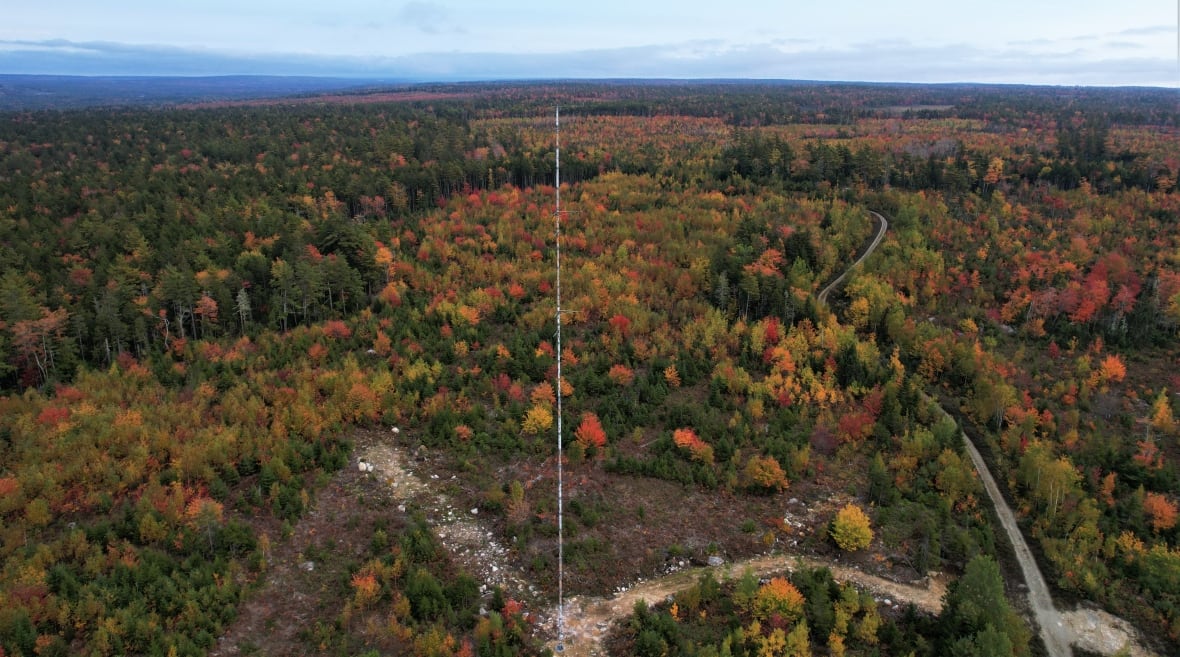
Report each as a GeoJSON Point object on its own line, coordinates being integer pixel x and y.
{"type": "Point", "coordinates": [557, 315]}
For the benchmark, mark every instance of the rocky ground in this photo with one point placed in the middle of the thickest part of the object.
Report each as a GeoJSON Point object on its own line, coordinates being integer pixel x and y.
{"type": "Point", "coordinates": [387, 480]}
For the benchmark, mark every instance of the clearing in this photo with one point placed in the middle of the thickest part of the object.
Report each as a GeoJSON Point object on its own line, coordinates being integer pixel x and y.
{"type": "Point", "coordinates": [302, 588]}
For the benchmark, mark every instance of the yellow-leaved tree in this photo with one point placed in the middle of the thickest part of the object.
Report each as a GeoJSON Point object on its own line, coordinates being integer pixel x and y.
{"type": "Point", "coordinates": [851, 529]}
{"type": "Point", "coordinates": [1162, 419]}
{"type": "Point", "coordinates": [537, 420]}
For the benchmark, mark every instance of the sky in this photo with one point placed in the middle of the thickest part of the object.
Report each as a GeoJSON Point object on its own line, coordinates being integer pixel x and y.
{"type": "Point", "coordinates": [1061, 42]}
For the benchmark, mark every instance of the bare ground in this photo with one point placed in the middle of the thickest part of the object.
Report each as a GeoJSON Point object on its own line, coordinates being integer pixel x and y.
{"type": "Point", "coordinates": [589, 619]}
{"type": "Point", "coordinates": [1098, 631]}
{"type": "Point", "coordinates": [473, 545]}
{"type": "Point", "coordinates": [281, 616]}
{"type": "Point", "coordinates": [301, 585]}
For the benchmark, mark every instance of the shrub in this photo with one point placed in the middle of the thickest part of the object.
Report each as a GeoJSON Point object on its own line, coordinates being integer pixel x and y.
{"type": "Point", "coordinates": [763, 473]}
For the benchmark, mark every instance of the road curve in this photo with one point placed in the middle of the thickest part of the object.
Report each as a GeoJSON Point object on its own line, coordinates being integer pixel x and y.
{"type": "Point", "coordinates": [597, 614]}
{"type": "Point", "coordinates": [589, 619]}
{"type": "Point", "coordinates": [1056, 637]}
{"type": "Point", "coordinates": [822, 297]}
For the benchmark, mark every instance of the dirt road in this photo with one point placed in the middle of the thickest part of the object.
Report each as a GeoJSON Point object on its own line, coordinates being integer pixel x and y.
{"type": "Point", "coordinates": [273, 617]}
{"type": "Point", "coordinates": [588, 619]}
{"type": "Point", "coordinates": [1054, 633]}
{"type": "Point", "coordinates": [822, 297]}
{"type": "Point", "coordinates": [1094, 631]}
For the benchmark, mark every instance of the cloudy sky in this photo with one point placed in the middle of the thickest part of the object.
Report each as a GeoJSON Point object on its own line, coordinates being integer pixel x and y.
{"type": "Point", "coordinates": [1087, 42]}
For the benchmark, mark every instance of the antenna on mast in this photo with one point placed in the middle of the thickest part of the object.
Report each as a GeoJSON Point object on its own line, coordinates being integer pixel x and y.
{"type": "Point", "coordinates": [557, 243]}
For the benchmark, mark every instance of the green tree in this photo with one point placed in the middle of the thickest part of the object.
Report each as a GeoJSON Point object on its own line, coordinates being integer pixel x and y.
{"type": "Point", "coordinates": [990, 642]}
{"type": "Point", "coordinates": [881, 487]}
{"type": "Point", "coordinates": [1050, 482]}
{"type": "Point", "coordinates": [956, 477]}
{"type": "Point", "coordinates": [975, 609]}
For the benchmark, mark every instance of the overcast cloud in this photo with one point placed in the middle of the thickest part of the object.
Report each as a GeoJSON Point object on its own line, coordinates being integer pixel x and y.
{"type": "Point", "coordinates": [1080, 42]}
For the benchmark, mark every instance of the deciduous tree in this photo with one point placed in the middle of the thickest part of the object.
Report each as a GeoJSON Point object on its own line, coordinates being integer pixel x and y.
{"type": "Point", "coordinates": [537, 420]}
{"type": "Point", "coordinates": [851, 528]}
{"type": "Point", "coordinates": [778, 596]}
{"type": "Point", "coordinates": [763, 473]}
{"type": "Point", "coordinates": [590, 432]}
{"type": "Point", "coordinates": [1161, 510]}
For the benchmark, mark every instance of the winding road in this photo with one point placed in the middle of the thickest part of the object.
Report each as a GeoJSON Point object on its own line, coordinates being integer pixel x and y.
{"type": "Point", "coordinates": [1054, 634]}
{"type": "Point", "coordinates": [1095, 631]}
{"type": "Point", "coordinates": [474, 546]}
{"type": "Point", "coordinates": [822, 297]}
{"type": "Point", "coordinates": [589, 619]}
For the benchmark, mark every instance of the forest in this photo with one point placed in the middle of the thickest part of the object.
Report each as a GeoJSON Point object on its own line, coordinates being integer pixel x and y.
{"type": "Point", "coordinates": [204, 309]}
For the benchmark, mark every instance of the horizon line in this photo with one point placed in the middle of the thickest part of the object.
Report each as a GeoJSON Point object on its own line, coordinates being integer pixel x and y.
{"type": "Point", "coordinates": [460, 80]}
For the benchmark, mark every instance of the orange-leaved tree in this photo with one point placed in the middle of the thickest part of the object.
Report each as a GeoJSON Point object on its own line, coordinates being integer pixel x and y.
{"type": "Point", "coordinates": [763, 473]}
{"type": "Point", "coordinates": [688, 439]}
{"type": "Point", "coordinates": [1112, 369]}
{"type": "Point", "coordinates": [671, 376]}
{"type": "Point", "coordinates": [590, 432]}
{"type": "Point", "coordinates": [621, 374]}
{"type": "Point", "coordinates": [778, 597]}
{"type": "Point", "coordinates": [1161, 510]}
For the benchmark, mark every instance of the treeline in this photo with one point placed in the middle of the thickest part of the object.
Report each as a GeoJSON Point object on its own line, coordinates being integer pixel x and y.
{"type": "Point", "coordinates": [124, 231]}
{"type": "Point", "coordinates": [1082, 153]}
{"type": "Point", "coordinates": [782, 102]}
